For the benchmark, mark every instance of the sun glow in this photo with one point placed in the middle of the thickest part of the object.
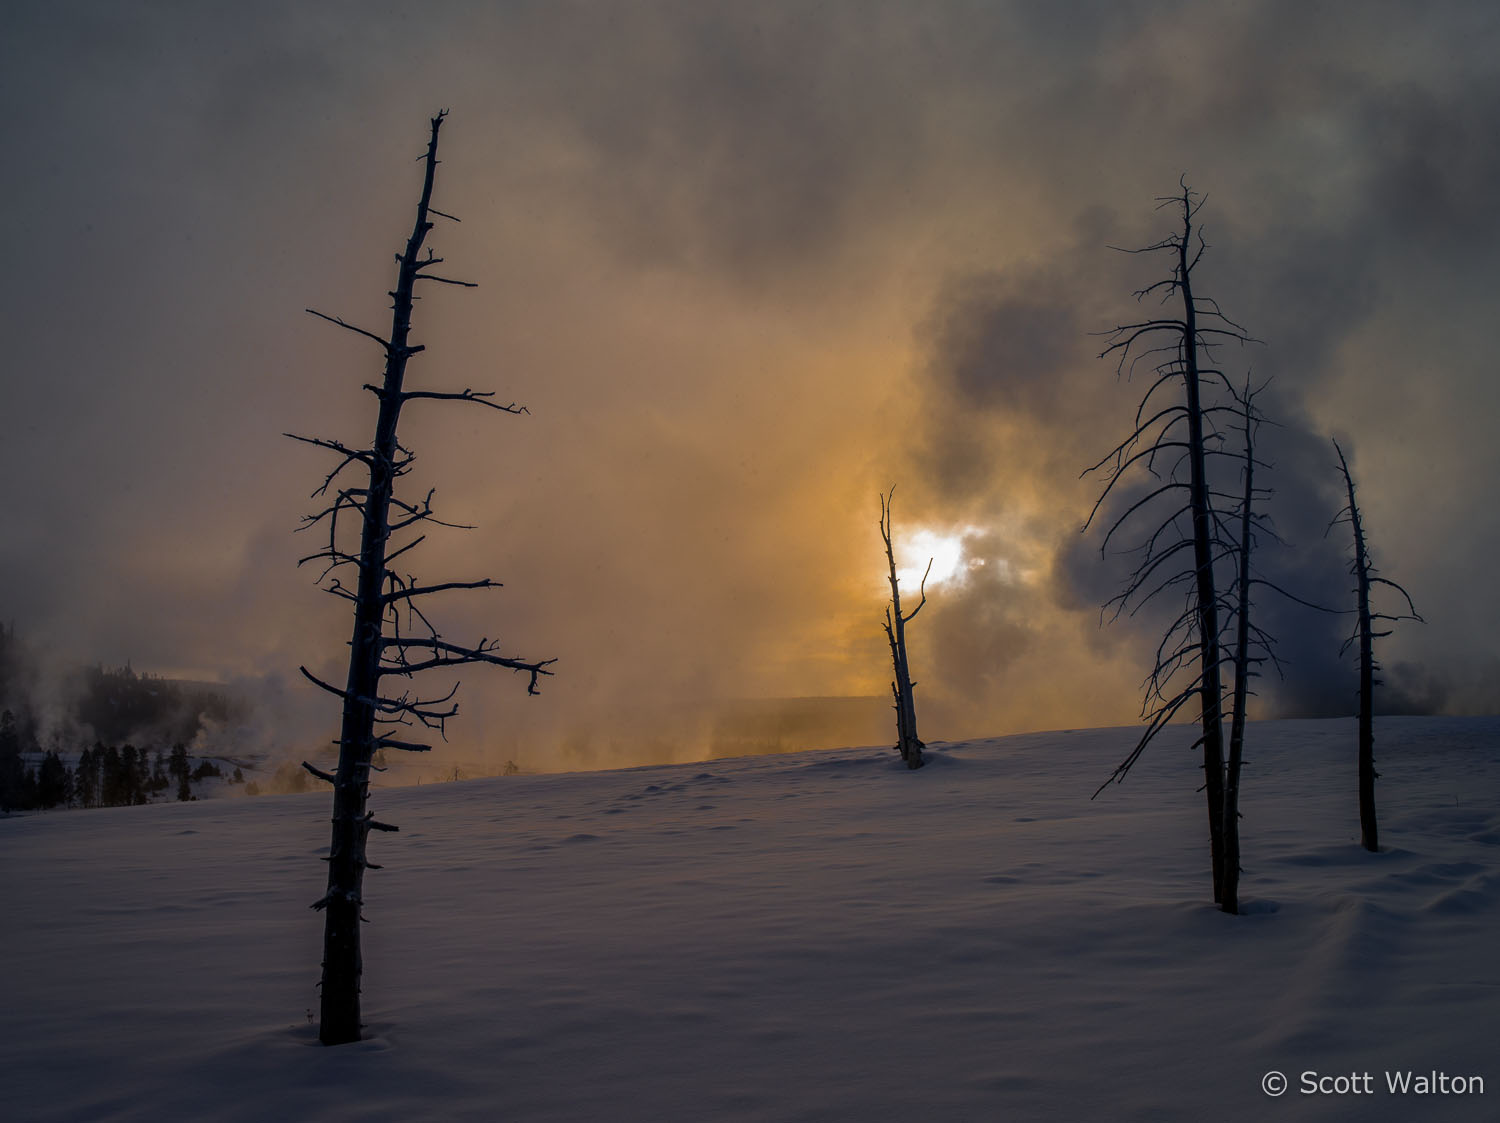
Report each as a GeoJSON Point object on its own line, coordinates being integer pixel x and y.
{"type": "Point", "coordinates": [946, 550]}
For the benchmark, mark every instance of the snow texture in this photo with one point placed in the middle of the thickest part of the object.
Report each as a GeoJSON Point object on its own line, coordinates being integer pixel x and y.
{"type": "Point", "coordinates": [815, 936]}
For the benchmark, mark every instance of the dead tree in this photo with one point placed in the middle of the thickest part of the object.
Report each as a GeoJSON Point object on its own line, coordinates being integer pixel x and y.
{"type": "Point", "coordinates": [1252, 646]}
{"type": "Point", "coordinates": [393, 638]}
{"type": "Point", "coordinates": [1365, 635]}
{"type": "Point", "coordinates": [1174, 441]}
{"type": "Point", "coordinates": [908, 744]}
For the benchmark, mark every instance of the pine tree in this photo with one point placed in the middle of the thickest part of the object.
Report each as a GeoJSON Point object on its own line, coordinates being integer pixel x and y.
{"type": "Point", "coordinates": [178, 769]}
{"type": "Point", "coordinates": [12, 768]}
{"type": "Point", "coordinates": [112, 779]}
{"type": "Point", "coordinates": [52, 781]}
{"type": "Point", "coordinates": [86, 780]}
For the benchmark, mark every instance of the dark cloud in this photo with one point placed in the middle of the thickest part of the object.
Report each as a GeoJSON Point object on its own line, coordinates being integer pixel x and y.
{"type": "Point", "coordinates": [1004, 361]}
{"type": "Point", "coordinates": [996, 350]}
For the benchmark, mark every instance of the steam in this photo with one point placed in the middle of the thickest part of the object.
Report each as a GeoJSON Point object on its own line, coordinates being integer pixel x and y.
{"type": "Point", "coordinates": [747, 268]}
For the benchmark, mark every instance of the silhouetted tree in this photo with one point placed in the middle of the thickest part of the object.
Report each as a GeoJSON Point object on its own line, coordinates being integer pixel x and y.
{"type": "Point", "coordinates": [54, 787]}
{"type": "Point", "coordinates": [1365, 635]}
{"type": "Point", "coordinates": [133, 775]}
{"type": "Point", "coordinates": [12, 767]}
{"type": "Point", "coordinates": [1185, 538]}
{"type": "Point", "coordinates": [908, 744]}
{"type": "Point", "coordinates": [1241, 663]}
{"type": "Point", "coordinates": [86, 779]}
{"type": "Point", "coordinates": [97, 771]}
{"type": "Point", "coordinates": [107, 759]}
{"type": "Point", "coordinates": [391, 636]}
{"type": "Point", "coordinates": [180, 770]}
{"type": "Point", "coordinates": [141, 778]}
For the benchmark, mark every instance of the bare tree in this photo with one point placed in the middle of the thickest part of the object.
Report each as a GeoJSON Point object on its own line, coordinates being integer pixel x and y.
{"type": "Point", "coordinates": [1365, 635]}
{"type": "Point", "coordinates": [1185, 538]}
{"type": "Point", "coordinates": [908, 743]}
{"type": "Point", "coordinates": [393, 638]}
{"type": "Point", "coordinates": [1252, 645]}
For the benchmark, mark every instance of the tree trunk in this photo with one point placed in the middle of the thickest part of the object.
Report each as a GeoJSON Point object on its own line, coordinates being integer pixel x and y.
{"type": "Point", "coordinates": [907, 742]}
{"type": "Point", "coordinates": [911, 744]}
{"type": "Point", "coordinates": [1174, 347]}
{"type": "Point", "coordinates": [1230, 899]}
{"type": "Point", "coordinates": [1369, 832]}
{"type": "Point", "coordinates": [1208, 604]}
{"type": "Point", "coordinates": [342, 962]}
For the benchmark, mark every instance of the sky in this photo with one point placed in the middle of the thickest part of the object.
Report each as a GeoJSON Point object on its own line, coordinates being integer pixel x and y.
{"type": "Point", "coordinates": [747, 267]}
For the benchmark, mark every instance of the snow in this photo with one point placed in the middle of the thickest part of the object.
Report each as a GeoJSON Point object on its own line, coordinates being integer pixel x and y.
{"type": "Point", "coordinates": [813, 936]}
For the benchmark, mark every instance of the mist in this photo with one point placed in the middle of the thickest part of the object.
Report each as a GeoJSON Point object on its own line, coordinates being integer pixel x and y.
{"type": "Point", "coordinates": [747, 267]}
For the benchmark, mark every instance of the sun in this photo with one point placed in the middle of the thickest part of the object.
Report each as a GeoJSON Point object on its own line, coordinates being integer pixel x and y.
{"type": "Point", "coordinates": [949, 561]}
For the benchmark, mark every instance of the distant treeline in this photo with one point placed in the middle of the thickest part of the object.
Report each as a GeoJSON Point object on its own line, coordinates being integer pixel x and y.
{"type": "Point", "coordinates": [103, 775]}
{"type": "Point", "coordinates": [119, 705]}
{"type": "Point", "coordinates": [114, 737]}
{"type": "Point", "coordinates": [114, 706]}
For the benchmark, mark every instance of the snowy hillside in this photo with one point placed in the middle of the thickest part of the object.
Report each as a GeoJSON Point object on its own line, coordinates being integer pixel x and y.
{"type": "Point", "coordinates": [817, 936]}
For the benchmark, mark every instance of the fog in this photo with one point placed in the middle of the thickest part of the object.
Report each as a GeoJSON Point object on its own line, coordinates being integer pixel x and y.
{"type": "Point", "coordinates": [747, 266]}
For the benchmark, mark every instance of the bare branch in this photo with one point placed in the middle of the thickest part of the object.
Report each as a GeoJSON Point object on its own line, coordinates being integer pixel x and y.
{"type": "Point", "coordinates": [413, 544]}
{"type": "Point", "coordinates": [319, 773]}
{"type": "Point", "coordinates": [385, 344]}
{"type": "Point", "coordinates": [447, 280]}
{"type": "Point", "coordinates": [1413, 614]}
{"type": "Point", "coordinates": [1158, 722]}
{"type": "Point", "coordinates": [479, 397]}
{"type": "Point", "coordinates": [424, 590]}
{"type": "Point", "coordinates": [404, 746]}
{"type": "Point", "coordinates": [316, 681]}
{"type": "Point", "coordinates": [456, 655]}
{"type": "Point", "coordinates": [912, 615]}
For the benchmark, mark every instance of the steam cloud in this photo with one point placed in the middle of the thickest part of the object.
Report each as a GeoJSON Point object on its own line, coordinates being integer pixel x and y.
{"type": "Point", "coordinates": [747, 267]}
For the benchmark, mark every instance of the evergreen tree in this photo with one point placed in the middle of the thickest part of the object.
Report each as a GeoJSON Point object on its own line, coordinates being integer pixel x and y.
{"type": "Point", "coordinates": [26, 796]}
{"type": "Point", "coordinates": [177, 768]}
{"type": "Point", "coordinates": [110, 777]}
{"type": "Point", "coordinates": [53, 784]}
{"type": "Point", "coordinates": [12, 768]}
{"type": "Point", "coordinates": [99, 771]}
{"type": "Point", "coordinates": [86, 779]}
{"type": "Point", "coordinates": [132, 776]}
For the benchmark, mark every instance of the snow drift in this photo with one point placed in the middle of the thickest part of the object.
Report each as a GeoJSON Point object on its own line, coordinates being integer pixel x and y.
{"type": "Point", "coordinates": [815, 936]}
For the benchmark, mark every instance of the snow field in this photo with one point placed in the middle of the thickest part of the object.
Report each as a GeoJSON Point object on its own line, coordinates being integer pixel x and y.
{"type": "Point", "coordinates": [814, 936]}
